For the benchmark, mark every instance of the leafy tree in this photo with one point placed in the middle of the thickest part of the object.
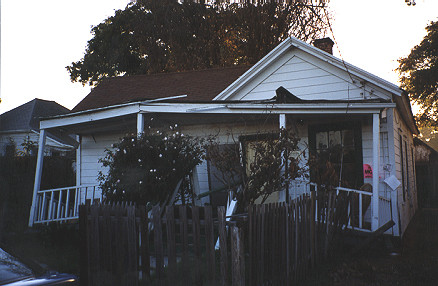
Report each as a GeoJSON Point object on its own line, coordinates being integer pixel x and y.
{"type": "Point", "coordinates": [147, 169]}
{"type": "Point", "coordinates": [151, 36]}
{"type": "Point", "coordinates": [419, 76]}
{"type": "Point", "coordinates": [273, 164]}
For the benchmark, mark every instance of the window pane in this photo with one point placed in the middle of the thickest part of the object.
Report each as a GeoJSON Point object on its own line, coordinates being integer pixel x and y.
{"type": "Point", "coordinates": [348, 138]}
{"type": "Point", "coordinates": [334, 138]}
{"type": "Point", "coordinates": [321, 140]}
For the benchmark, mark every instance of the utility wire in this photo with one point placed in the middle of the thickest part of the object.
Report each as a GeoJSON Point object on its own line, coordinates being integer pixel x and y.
{"type": "Point", "coordinates": [337, 46]}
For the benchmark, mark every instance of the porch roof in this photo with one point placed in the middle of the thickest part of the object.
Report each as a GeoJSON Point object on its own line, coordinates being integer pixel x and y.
{"type": "Point", "coordinates": [225, 108]}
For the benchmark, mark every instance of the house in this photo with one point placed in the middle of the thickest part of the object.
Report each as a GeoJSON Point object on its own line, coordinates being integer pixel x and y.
{"type": "Point", "coordinates": [330, 104]}
{"type": "Point", "coordinates": [19, 130]}
{"type": "Point", "coordinates": [426, 168]}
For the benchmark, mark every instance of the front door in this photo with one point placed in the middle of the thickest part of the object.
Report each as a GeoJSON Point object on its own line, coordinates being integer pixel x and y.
{"type": "Point", "coordinates": [336, 154]}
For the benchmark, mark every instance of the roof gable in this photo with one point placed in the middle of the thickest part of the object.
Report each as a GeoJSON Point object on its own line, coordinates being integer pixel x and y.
{"type": "Point", "coordinates": [308, 73]}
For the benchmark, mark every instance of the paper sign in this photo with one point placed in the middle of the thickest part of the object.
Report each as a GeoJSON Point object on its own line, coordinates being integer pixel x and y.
{"type": "Point", "coordinates": [392, 182]}
{"type": "Point", "coordinates": [367, 171]}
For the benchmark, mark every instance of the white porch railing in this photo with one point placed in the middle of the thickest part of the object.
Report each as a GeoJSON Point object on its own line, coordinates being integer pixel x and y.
{"type": "Point", "coordinates": [359, 208]}
{"type": "Point", "coordinates": [62, 204]}
{"type": "Point", "coordinates": [385, 210]}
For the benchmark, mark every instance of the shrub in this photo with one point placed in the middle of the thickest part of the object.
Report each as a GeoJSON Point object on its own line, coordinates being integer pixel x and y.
{"type": "Point", "coordinates": [147, 168]}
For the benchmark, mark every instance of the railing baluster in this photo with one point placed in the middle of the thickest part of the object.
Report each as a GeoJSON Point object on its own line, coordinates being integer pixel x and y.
{"type": "Point", "coordinates": [42, 211]}
{"type": "Point", "coordinates": [75, 206]}
{"type": "Point", "coordinates": [58, 211]}
{"type": "Point", "coordinates": [360, 211]}
{"type": "Point", "coordinates": [94, 192]}
{"type": "Point", "coordinates": [67, 201]}
{"type": "Point", "coordinates": [86, 195]}
{"type": "Point", "coordinates": [50, 206]}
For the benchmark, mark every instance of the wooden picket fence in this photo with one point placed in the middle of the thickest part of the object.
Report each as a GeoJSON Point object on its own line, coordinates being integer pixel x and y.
{"type": "Point", "coordinates": [274, 244]}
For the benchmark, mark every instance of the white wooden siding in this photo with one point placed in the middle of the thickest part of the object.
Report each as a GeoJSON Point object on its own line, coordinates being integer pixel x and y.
{"type": "Point", "coordinates": [408, 206]}
{"type": "Point", "coordinates": [93, 149]}
{"type": "Point", "coordinates": [308, 78]}
{"type": "Point", "coordinates": [20, 137]}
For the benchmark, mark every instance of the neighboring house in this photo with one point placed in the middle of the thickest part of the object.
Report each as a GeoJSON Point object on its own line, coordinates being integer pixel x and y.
{"type": "Point", "coordinates": [426, 167]}
{"type": "Point", "coordinates": [20, 127]}
{"type": "Point", "coordinates": [330, 104]}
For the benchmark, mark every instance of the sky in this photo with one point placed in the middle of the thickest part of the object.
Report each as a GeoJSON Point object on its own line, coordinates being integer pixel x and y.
{"type": "Point", "coordinates": [40, 38]}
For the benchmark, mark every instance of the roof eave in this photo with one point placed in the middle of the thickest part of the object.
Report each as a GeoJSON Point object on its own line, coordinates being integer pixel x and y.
{"type": "Point", "coordinates": [320, 54]}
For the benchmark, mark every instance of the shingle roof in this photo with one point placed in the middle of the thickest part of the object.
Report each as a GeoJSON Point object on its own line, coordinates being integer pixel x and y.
{"type": "Point", "coordinates": [199, 86]}
{"type": "Point", "coordinates": [27, 116]}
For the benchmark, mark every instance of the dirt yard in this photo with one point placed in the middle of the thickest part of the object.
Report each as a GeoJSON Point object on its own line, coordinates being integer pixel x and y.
{"type": "Point", "coordinates": [414, 261]}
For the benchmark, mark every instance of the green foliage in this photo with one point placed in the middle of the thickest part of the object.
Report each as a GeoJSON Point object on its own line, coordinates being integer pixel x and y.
{"type": "Point", "coordinates": [151, 36]}
{"type": "Point", "coordinates": [274, 160]}
{"type": "Point", "coordinates": [147, 169]}
{"type": "Point", "coordinates": [419, 76]}
{"type": "Point", "coordinates": [29, 146]}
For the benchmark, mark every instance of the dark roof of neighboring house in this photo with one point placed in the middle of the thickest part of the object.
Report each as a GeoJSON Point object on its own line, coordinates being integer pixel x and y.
{"type": "Point", "coordinates": [199, 86]}
{"type": "Point", "coordinates": [27, 116]}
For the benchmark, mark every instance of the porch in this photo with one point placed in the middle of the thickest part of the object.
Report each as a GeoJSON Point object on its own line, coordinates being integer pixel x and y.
{"type": "Point", "coordinates": [62, 204]}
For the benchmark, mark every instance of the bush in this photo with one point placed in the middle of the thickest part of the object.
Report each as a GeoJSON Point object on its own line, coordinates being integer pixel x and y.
{"type": "Point", "coordinates": [147, 169]}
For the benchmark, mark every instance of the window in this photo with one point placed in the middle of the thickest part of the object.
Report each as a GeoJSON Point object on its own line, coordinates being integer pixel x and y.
{"type": "Point", "coordinates": [340, 145]}
{"type": "Point", "coordinates": [403, 161]}
{"type": "Point", "coordinates": [220, 182]}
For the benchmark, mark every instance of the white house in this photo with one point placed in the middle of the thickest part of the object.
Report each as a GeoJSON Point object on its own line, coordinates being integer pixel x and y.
{"type": "Point", "coordinates": [325, 100]}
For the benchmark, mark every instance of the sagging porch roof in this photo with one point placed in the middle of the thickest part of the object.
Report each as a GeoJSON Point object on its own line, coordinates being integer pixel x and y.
{"type": "Point", "coordinates": [216, 107]}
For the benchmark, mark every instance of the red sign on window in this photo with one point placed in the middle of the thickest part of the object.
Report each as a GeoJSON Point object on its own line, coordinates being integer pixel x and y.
{"type": "Point", "coordinates": [367, 171]}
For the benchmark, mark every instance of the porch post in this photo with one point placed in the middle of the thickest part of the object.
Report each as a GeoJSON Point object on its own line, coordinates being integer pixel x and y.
{"type": "Point", "coordinates": [140, 124]}
{"type": "Point", "coordinates": [78, 160]}
{"type": "Point", "coordinates": [376, 157]}
{"type": "Point", "coordinates": [38, 174]}
{"type": "Point", "coordinates": [284, 196]}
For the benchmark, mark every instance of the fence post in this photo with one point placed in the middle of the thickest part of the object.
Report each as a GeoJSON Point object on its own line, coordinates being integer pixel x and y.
{"type": "Point", "coordinates": [185, 240]}
{"type": "Point", "coordinates": [144, 249]}
{"type": "Point", "coordinates": [158, 239]}
{"type": "Point", "coordinates": [131, 277]}
{"type": "Point", "coordinates": [209, 237]}
{"type": "Point", "coordinates": [312, 228]}
{"type": "Point", "coordinates": [83, 230]}
{"type": "Point", "coordinates": [171, 244]}
{"type": "Point", "coordinates": [196, 229]}
{"type": "Point", "coordinates": [237, 257]}
{"type": "Point", "coordinates": [93, 245]}
{"type": "Point", "coordinates": [223, 246]}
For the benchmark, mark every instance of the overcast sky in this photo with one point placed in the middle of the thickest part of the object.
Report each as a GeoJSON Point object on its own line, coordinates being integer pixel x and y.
{"type": "Point", "coordinates": [40, 38]}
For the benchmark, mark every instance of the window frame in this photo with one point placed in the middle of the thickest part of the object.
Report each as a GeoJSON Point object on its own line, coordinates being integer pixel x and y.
{"type": "Point", "coordinates": [356, 127]}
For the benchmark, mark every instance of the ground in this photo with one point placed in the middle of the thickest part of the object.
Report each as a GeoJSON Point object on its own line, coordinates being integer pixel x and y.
{"type": "Point", "coordinates": [412, 261]}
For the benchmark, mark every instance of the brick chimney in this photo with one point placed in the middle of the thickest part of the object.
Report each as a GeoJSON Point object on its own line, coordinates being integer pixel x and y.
{"type": "Point", "coordinates": [325, 44]}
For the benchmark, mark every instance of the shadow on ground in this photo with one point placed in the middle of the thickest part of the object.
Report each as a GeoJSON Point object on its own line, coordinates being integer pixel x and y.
{"type": "Point", "coordinates": [413, 261]}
